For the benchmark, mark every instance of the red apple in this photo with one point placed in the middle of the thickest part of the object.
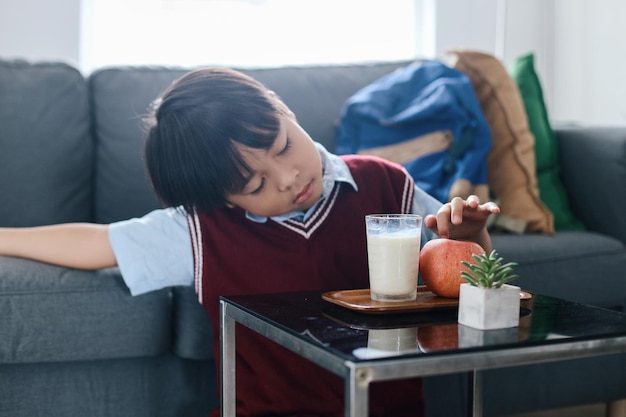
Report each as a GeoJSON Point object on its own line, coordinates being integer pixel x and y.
{"type": "Point", "coordinates": [440, 264]}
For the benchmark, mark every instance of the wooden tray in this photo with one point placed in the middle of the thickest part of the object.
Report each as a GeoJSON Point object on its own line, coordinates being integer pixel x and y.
{"type": "Point", "coordinates": [360, 300]}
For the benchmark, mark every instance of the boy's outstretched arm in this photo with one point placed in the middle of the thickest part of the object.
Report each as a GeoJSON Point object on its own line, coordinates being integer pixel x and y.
{"type": "Point", "coordinates": [74, 245]}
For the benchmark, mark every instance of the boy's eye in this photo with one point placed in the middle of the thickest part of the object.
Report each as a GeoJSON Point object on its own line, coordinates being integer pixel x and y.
{"type": "Point", "coordinates": [258, 189]}
{"type": "Point", "coordinates": [286, 148]}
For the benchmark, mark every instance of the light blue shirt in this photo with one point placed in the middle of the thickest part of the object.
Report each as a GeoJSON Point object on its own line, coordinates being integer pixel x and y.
{"type": "Point", "coordinates": [154, 251]}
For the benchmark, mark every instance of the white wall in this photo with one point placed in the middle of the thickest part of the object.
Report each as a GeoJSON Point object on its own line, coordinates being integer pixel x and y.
{"type": "Point", "coordinates": [40, 30]}
{"type": "Point", "coordinates": [580, 54]}
{"type": "Point", "coordinates": [590, 60]}
{"type": "Point", "coordinates": [578, 44]}
{"type": "Point", "coordinates": [507, 29]}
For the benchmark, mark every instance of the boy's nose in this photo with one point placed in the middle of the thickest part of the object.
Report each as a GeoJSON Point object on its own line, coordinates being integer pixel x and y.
{"type": "Point", "coordinates": [287, 178]}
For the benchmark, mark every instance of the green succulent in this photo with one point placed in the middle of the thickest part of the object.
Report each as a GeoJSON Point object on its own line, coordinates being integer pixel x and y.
{"type": "Point", "coordinates": [488, 271]}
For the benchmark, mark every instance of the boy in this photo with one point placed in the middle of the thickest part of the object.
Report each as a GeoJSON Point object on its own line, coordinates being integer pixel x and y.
{"type": "Point", "coordinates": [254, 205]}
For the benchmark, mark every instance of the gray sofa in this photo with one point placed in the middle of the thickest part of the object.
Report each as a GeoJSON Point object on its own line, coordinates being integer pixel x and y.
{"type": "Point", "coordinates": [75, 343]}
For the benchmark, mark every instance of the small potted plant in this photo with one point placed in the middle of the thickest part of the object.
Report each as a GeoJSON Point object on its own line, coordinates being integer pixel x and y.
{"type": "Point", "coordinates": [486, 301]}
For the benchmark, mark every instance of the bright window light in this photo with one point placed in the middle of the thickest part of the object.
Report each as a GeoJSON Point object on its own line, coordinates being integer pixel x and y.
{"type": "Point", "coordinates": [245, 33]}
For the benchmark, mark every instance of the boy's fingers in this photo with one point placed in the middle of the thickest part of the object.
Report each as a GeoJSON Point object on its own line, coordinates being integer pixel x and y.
{"type": "Point", "coordinates": [473, 201]}
{"type": "Point", "coordinates": [443, 222]}
{"type": "Point", "coordinates": [492, 207]}
{"type": "Point", "coordinates": [456, 210]}
{"type": "Point", "coordinates": [430, 221]}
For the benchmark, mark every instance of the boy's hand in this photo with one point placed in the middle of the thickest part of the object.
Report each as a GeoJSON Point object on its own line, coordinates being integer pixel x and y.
{"type": "Point", "coordinates": [462, 219]}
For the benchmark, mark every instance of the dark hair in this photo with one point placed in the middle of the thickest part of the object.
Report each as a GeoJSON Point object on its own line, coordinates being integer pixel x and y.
{"type": "Point", "coordinates": [191, 148]}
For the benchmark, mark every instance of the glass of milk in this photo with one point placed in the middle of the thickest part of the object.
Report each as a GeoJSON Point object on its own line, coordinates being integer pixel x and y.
{"type": "Point", "coordinates": [393, 248]}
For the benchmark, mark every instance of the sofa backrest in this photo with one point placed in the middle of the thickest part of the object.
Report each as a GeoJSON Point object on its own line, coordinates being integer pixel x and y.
{"type": "Point", "coordinates": [120, 98]}
{"type": "Point", "coordinates": [316, 94]}
{"type": "Point", "coordinates": [45, 145]}
{"type": "Point", "coordinates": [71, 149]}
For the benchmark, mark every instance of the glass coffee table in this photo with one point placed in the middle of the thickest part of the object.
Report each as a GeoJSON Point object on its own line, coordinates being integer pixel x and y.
{"type": "Point", "coordinates": [363, 344]}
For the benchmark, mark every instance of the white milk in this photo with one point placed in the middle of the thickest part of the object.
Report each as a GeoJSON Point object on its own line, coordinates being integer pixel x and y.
{"type": "Point", "coordinates": [393, 265]}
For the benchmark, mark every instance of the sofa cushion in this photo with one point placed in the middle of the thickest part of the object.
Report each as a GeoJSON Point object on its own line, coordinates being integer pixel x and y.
{"type": "Point", "coordinates": [551, 190]}
{"type": "Point", "coordinates": [553, 265]}
{"type": "Point", "coordinates": [52, 314]}
{"type": "Point", "coordinates": [194, 333]}
{"type": "Point", "coordinates": [511, 162]}
{"type": "Point", "coordinates": [593, 164]}
{"type": "Point", "coordinates": [46, 149]}
{"type": "Point", "coordinates": [162, 386]}
{"type": "Point", "coordinates": [516, 390]}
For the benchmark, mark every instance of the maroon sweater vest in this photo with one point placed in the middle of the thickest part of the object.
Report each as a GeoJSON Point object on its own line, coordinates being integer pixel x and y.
{"type": "Point", "coordinates": [233, 256]}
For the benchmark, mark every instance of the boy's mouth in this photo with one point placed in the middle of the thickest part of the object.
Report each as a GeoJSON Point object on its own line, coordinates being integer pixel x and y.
{"type": "Point", "coordinates": [304, 194]}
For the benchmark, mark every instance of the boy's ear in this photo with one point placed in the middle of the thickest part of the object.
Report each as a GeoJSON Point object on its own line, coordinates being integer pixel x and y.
{"type": "Point", "coordinates": [229, 205]}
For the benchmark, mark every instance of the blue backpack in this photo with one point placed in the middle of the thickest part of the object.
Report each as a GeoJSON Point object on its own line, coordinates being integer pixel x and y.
{"type": "Point", "coordinates": [426, 117]}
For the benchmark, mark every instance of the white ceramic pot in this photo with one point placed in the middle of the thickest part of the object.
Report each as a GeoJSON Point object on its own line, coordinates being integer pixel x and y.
{"type": "Point", "coordinates": [489, 308]}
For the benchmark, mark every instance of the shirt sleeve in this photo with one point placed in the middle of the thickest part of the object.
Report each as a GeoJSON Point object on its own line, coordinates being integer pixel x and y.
{"type": "Point", "coordinates": [153, 251]}
{"type": "Point", "coordinates": [423, 204]}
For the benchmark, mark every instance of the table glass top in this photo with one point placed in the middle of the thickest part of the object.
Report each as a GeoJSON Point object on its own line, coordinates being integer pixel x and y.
{"type": "Point", "coordinates": [358, 336]}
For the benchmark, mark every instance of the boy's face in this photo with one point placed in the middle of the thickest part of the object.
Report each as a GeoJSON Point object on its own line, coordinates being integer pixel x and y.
{"type": "Point", "coordinates": [285, 178]}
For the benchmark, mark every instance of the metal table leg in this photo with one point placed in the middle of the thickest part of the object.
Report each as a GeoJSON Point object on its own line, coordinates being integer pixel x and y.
{"type": "Point", "coordinates": [228, 389]}
{"type": "Point", "coordinates": [357, 392]}
{"type": "Point", "coordinates": [477, 397]}
{"type": "Point", "coordinates": [475, 393]}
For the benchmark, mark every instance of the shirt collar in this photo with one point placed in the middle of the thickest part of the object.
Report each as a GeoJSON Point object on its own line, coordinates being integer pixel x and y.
{"type": "Point", "coordinates": [334, 170]}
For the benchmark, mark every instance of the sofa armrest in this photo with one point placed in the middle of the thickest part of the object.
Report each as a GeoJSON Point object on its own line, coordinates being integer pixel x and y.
{"type": "Point", "coordinates": [593, 169]}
